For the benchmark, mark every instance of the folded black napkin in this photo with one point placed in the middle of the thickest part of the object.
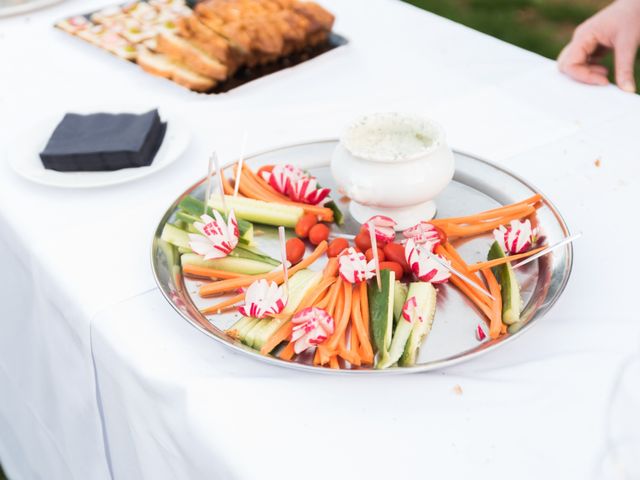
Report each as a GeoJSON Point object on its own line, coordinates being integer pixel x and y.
{"type": "Point", "coordinates": [104, 141]}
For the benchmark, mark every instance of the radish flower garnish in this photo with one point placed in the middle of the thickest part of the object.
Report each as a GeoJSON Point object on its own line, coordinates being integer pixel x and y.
{"type": "Point", "coordinates": [296, 184]}
{"type": "Point", "coordinates": [425, 268]}
{"type": "Point", "coordinates": [517, 237]}
{"type": "Point", "coordinates": [384, 228]}
{"type": "Point", "coordinates": [312, 326]}
{"type": "Point", "coordinates": [410, 311]}
{"type": "Point", "coordinates": [307, 191]}
{"type": "Point", "coordinates": [283, 177]}
{"type": "Point", "coordinates": [263, 299]}
{"type": "Point", "coordinates": [353, 266]}
{"type": "Point", "coordinates": [217, 239]}
{"type": "Point", "coordinates": [422, 234]}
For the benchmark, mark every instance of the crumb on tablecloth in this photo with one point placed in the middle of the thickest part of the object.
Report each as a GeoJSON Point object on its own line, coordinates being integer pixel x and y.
{"type": "Point", "coordinates": [458, 390]}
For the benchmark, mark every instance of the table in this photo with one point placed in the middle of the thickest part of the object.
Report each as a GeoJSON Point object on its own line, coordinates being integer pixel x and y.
{"type": "Point", "coordinates": [100, 379]}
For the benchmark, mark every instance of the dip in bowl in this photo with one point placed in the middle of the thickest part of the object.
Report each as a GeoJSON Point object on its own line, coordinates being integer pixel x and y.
{"type": "Point", "coordinates": [393, 164]}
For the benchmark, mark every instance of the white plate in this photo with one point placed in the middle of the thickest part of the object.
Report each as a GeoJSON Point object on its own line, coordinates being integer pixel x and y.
{"type": "Point", "coordinates": [25, 6]}
{"type": "Point", "coordinates": [24, 158]}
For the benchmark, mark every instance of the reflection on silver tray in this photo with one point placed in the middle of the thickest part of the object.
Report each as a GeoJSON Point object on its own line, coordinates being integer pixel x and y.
{"type": "Point", "coordinates": [478, 185]}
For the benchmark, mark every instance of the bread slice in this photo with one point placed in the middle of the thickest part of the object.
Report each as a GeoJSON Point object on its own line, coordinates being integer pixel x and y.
{"type": "Point", "coordinates": [181, 50]}
{"type": "Point", "coordinates": [162, 66]}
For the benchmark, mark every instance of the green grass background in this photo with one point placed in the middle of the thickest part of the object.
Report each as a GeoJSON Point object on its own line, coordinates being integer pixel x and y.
{"type": "Point", "coordinates": [542, 26]}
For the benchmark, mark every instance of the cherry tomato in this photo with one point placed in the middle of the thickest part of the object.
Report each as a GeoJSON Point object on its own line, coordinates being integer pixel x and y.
{"type": "Point", "coordinates": [363, 241]}
{"type": "Point", "coordinates": [395, 266]}
{"type": "Point", "coordinates": [369, 255]}
{"type": "Point", "coordinates": [305, 223]}
{"type": "Point", "coordinates": [295, 250]}
{"type": "Point", "coordinates": [318, 233]}
{"type": "Point", "coordinates": [394, 252]}
{"type": "Point", "coordinates": [336, 246]}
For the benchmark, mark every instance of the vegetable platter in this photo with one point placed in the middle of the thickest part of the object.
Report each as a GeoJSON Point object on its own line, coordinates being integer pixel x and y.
{"type": "Point", "coordinates": [346, 307]}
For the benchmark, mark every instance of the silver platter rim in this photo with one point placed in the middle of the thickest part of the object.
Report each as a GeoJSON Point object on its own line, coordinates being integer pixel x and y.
{"type": "Point", "coordinates": [218, 335]}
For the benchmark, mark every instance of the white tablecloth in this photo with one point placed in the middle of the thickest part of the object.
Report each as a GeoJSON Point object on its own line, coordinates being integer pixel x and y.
{"type": "Point", "coordinates": [99, 378]}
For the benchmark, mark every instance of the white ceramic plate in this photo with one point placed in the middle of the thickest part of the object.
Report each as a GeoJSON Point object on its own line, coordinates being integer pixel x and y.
{"type": "Point", "coordinates": [25, 6]}
{"type": "Point", "coordinates": [24, 158]}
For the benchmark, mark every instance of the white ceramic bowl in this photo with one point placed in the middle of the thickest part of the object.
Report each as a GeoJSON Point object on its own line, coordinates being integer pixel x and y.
{"type": "Point", "coordinates": [393, 164]}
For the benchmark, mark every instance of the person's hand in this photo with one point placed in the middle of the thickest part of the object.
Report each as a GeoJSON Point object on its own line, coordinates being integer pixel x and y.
{"type": "Point", "coordinates": [616, 27]}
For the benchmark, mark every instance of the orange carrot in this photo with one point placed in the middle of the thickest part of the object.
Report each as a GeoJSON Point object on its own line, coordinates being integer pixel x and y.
{"type": "Point", "coordinates": [314, 294]}
{"type": "Point", "coordinates": [471, 295]}
{"type": "Point", "coordinates": [333, 362]}
{"type": "Point", "coordinates": [287, 352]}
{"type": "Point", "coordinates": [331, 269]}
{"type": "Point", "coordinates": [343, 320]}
{"type": "Point", "coordinates": [469, 291]}
{"type": "Point", "coordinates": [220, 306]}
{"type": "Point", "coordinates": [336, 290]}
{"type": "Point", "coordinates": [226, 186]}
{"type": "Point", "coordinates": [198, 271]}
{"type": "Point", "coordinates": [490, 214]}
{"type": "Point", "coordinates": [259, 187]}
{"type": "Point", "coordinates": [282, 334]}
{"type": "Point", "coordinates": [264, 168]}
{"type": "Point", "coordinates": [496, 317]}
{"type": "Point", "coordinates": [358, 331]}
{"type": "Point", "coordinates": [316, 357]}
{"type": "Point", "coordinates": [364, 309]}
{"type": "Point", "coordinates": [503, 329]}
{"type": "Point", "coordinates": [457, 261]}
{"type": "Point", "coordinates": [482, 227]}
{"type": "Point", "coordinates": [277, 276]}
{"type": "Point", "coordinates": [499, 261]}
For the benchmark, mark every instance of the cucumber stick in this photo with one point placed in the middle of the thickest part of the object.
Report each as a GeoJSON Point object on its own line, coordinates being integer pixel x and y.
{"type": "Point", "coordinates": [399, 297]}
{"type": "Point", "coordinates": [175, 236]}
{"type": "Point", "coordinates": [260, 212]}
{"type": "Point", "coordinates": [510, 290]}
{"type": "Point", "coordinates": [381, 308]}
{"type": "Point", "coordinates": [299, 285]}
{"type": "Point", "coordinates": [191, 208]}
{"type": "Point", "coordinates": [426, 297]}
{"type": "Point", "coordinates": [230, 264]}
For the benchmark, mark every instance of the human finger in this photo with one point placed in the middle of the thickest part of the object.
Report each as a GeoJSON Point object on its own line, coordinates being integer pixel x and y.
{"type": "Point", "coordinates": [624, 52]}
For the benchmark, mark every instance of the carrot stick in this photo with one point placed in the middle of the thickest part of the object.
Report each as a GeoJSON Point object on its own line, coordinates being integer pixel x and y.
{"type": "Point", "coordinates": [314, 294]}
{"type": "Point", "coordinates": [341, 326]}
{"type": "Point", "coordinates": [331, 269]}
{"type": "Point", "coordinates": [333, 296]}
{"type": "Point", "coordinates": [494, 287]}
{"type": "Point", "coordinates": [218, 307]}
{"type": "Point", "coordinates": [471, 295]}
{"type": "Point", "coordinates": [457, 261]}
{"type": "Point", "coordinates": [283, 333]}
{"type": "Point", "coordinates": [226, 186]}
{"type": "Point", "coordinates": [490, 214]}
{"type": "Point", "coordinates": [482, 227]}
{"type": "Point", "coordinates": [198, 271]}
{"type": "Point", "coordinates": [364, 309]}
{"type": "Point", "coordinates": [316, 357]}
{"type": "Point", "coordinates": [464, 269]}
{"type": "Point", "coordinates": [277, 276]}
{"type": "Point", "coordinates": [264, 168]}
{"type": "Point", "coordinates": [333, 362]}
{"type": "Point", "coordinates": [253, 189]}
{"type": "Point", "coordinates": [287, 352]}
{"type": "Point", "coordinates": [499, 261]}
{"type": "Point", "coordinates": [358, 330]}
{"type": "Point", "coordinates": [262, 183]}
{"type": "Point", "coordinates": [324, 301]}
{"type": "Point", "coordinates": [503, 329]}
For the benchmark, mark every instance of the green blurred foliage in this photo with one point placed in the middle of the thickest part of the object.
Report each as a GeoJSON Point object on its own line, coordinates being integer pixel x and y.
{"type": "Point", "coordinates": [542, 26]}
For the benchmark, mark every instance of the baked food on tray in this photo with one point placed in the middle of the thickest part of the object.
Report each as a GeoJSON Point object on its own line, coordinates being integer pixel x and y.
{"type": "Point", "coordinates": [203, 47]}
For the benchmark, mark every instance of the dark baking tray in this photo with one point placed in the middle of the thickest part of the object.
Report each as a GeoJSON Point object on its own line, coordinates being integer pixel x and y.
{"type": "Point", "coordinates": [249, 74]}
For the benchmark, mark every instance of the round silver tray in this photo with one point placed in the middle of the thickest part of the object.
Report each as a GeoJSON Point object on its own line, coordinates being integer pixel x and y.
{"type": "Point", "coordinates": [477, 185]}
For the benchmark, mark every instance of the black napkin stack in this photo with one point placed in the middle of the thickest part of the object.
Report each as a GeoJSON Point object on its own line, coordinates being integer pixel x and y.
{"type": "Point", "coordinates": [104, 142]}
